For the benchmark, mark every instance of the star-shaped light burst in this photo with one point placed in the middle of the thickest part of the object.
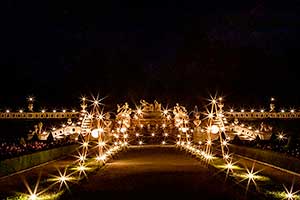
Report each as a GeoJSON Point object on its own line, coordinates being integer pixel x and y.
{"type": "Point", "coordinates": [281, 136]}
{"type": "Point", "coordinates": [251, 177]}
{"type": "Point", "coordinates": [289, 194]}
{"type": "Point", "coordinates": [33, 195]}
{"type": "Point", "coordinates": [81, 157]}
{"type": "Point", "coordinates": [81, 169]}
{"type": "Point", "coordinates": [230, 166]}
{"type": "Point", "coordinates": [96, 101]}
{"type": "Point", "coordinates": [227, 157]}
{"type": "Point", "coordinates": [62, 178]}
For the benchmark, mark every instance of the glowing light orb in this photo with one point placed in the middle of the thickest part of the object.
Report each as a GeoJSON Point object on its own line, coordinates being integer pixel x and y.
{"type": "Point", "coordinates": [95, 133]}
{"type": "Point", "coordinates": [229, 166]}
{"type": "Point", "coordinates": [214, 129]}
{"type": "Point", "coordinates": [250, 175]}
{"type": "Point", "coordinates": [123, 129]}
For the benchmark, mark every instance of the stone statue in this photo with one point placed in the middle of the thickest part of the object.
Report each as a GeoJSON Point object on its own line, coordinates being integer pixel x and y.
{"type": "Point", "coordinates": [69, 122]}
{"type": "Point", "coordinates": [157, 106]}
{"type": "Point", "coordinates": [123, 108]}
{"type": "Point", "coordinates": [272, 107]}
{"type": "Point", "coordinates": [179, 109]}
{"type": "Point", "coordinates": [146, 106]}
{"type": "Point", "coordinates": [264, 127]}
{"type": "Point", "coordinates": [30, 106]}
{"type": "Point", "coordinates": [83, 106]}
{"type": "Point", "coordinates": [40, 126]}
{"type": "Point", "coordinates": [197, 120]}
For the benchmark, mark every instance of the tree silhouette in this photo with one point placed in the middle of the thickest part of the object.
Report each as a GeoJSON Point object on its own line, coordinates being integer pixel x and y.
{"type": "Point", "coordinates": [236, 140]}
{"type": "Point", "coordinates": [50, 138]}
{"type": "Point", "coordinates": [35, 137]}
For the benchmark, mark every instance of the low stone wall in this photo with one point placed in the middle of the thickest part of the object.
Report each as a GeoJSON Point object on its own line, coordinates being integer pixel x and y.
{"type": "Point", "coordinates": [278, 159]}
{"type": "Point", "coordinates": [12, 165]}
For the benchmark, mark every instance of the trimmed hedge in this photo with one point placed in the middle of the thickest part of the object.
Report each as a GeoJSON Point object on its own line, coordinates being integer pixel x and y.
{"type": "Point", "coordinates": [278, 159]}
{"type": "Point", "coordinates": [12, 165]}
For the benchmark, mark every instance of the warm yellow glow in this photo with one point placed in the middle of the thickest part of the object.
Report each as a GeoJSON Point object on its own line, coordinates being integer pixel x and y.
{"type": "Point", "coordinates": [281, 136]}
{"type": "Point", "coordinates": [231, 110]}
{"type": "Point", "coordinates": [96, 102]}
{"type": "Point", "coordinates": [252, 110]}
{"type": "Point", "coordinates": [166, 134]}
{"type": "Point", "coordinates": [82, 158]}
{"type": "Point", "coordinates": [81, 168]}
{"type": "Point", "coordinates": [242, 110]}
{"type": "Point", "coordinates": [250, 175]}
{"type": "Point", "coordinates": [226, 156]}
{"type": "Point", "coordinates": [229, 166]}
{"type": "Point", "coordinates": [208, 142]}
{"type": "Point", "coordinates": [224, 143]}
{"type": "Point", "coordinates": [85, 144]}
{"type": "Point", "coordinates": [33, 197]}
{"type": "Point", "coordinates": [184, 129]}
{"type": "Point", "coordinates": [152, 134]}
{"type": "Point", "coordinates": [123, 129]}
{"type": "Point", "coordinates": [101, 143]}
{"type": "Point", "coordinates": [101, 158]}
{"type": "Point", "coordinates": [289, 194]}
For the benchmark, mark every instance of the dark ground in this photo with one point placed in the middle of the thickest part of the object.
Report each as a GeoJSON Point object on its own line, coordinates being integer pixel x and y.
{"type": "Point", "coordinates": [155, 173]}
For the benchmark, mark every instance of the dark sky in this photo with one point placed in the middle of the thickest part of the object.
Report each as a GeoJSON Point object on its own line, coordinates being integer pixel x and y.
{"type": "Point", "coordinates": [168, 50]}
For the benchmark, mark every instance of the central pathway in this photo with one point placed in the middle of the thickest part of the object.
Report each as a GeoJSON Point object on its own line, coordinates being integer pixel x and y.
{"type": "Point", "coordinates": [156, 173]}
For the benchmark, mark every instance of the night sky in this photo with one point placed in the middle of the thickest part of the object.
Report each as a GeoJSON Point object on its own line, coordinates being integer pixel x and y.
{"type": "Point", "coordinates": [174, 52]}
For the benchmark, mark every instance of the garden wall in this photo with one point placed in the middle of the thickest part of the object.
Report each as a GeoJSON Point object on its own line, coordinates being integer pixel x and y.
{"type": "Point", "coordinates": [15, 164]}
{"type": "Point", "coordinates": [268, 156]}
